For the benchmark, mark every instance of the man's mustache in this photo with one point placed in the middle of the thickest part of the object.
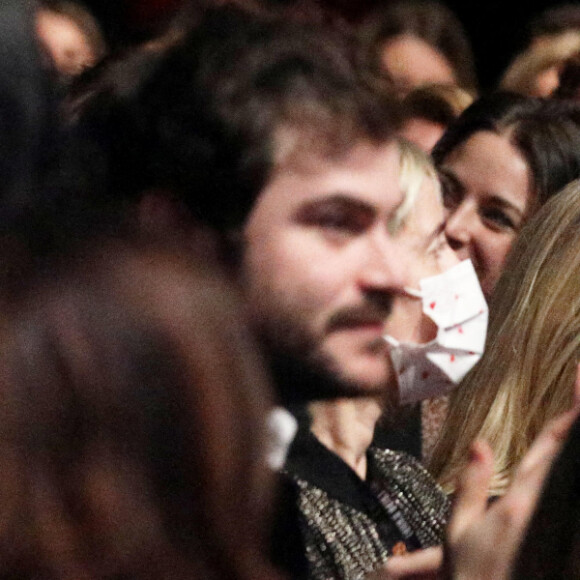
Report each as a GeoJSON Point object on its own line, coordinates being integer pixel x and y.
{"type": "Point", "coordinates": [353, 316]}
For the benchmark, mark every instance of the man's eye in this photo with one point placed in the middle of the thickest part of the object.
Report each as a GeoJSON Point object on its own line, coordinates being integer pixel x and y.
{"type": "Point", "coordinates": [337, 217]}
{"type": "Point", "coordinates": [498, 219]}
{"type": "Point", "coordinates": [340, 221]}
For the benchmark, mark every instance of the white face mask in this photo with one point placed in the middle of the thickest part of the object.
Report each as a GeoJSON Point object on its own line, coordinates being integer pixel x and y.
{"type": "Point", "coordinates": [455, 302]}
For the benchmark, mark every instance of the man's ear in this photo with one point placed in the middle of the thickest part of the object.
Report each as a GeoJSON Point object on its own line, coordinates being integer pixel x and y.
{"type": "Point", "coordinates": [159, 212]}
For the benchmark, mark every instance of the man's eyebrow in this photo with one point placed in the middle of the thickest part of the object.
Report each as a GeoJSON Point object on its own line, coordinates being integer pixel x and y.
{"type": "Point", "coordinates": [339, 199]}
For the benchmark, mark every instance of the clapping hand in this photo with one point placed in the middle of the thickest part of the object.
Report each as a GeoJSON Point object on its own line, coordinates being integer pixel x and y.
{"type": "Point", "coordinates": [482, 542]}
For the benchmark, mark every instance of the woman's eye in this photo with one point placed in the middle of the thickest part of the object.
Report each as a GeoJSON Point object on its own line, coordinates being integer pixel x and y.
{"type": "Point", "coordinates": [498, 219]}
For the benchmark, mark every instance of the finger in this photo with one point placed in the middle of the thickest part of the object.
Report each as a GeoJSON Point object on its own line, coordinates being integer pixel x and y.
{"type": "Point", "coordinates": [510, 515]}
{"type": "Point", "coordinates": [421, 562]}
{"type": "Point", "coordinates": [472, 490]}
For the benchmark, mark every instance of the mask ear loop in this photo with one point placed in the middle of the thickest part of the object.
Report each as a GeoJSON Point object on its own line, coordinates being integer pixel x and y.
{"type": "Point", "coordinates": [414, 293]}
{"type": "Point", "coordinates": [390, 340]}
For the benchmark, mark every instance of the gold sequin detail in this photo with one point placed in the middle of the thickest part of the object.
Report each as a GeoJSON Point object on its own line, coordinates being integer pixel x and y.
{"type": "Point", "coordinates": [343, 543]}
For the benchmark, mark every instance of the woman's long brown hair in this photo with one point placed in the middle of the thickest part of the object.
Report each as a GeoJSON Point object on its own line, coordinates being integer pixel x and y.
{"type": "Point", "coordinates": [131, 425]}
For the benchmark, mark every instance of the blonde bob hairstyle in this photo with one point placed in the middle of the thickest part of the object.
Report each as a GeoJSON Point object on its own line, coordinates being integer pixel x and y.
{"type": "Point", "coordinates": [526, 376]}
{"type": "Point", "coordinates": [414, 167]}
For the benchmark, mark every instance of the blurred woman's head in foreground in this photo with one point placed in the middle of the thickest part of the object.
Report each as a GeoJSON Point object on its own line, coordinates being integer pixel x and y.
{"type": "Point", "coordinates": [131, 429]}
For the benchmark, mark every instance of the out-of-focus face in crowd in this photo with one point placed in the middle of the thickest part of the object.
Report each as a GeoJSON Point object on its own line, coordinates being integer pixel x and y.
{"type": "Point", "coordinates": [411, 62]}
{"type": "Point", "coordinates": [71, 37]}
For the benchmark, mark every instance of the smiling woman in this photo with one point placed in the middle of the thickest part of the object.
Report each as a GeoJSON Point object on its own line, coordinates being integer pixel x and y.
{"type": "Point", "coordinates": [499, 163]}
{"type": "Point", "coordinates": [525, 379]}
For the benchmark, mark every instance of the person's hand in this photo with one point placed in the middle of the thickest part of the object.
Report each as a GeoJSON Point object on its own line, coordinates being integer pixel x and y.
{"type": "Point", "coordinates": [420, 565]}
{"type": "Point", "coordinates": [483, 542]}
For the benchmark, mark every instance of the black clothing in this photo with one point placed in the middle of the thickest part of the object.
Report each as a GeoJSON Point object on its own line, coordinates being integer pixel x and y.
{"type": "Point", "coordinates": [349, 526]}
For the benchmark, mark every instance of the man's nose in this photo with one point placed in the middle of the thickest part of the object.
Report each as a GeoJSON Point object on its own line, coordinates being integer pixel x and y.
{"type": "Point", "coordinates": [385, 268]}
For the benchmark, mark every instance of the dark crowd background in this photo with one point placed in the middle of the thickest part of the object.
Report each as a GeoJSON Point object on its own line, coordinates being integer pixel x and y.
{"type": "Point", "coordinates": [496, 28]}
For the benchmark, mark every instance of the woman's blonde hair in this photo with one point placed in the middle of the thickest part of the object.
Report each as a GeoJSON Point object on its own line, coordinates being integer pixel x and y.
{"type": "Point", "coordinates": [414, 167]}
{"type": "Point", "coordinates": [526, 376]}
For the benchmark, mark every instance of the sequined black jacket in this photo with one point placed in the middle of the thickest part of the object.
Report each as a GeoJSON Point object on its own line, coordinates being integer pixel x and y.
{"type": "Point", "coordinates": [350, 527]}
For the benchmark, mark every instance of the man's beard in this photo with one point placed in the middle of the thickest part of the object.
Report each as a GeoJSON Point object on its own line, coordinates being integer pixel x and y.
{"type": "Point", "coordinates": [301, 373]}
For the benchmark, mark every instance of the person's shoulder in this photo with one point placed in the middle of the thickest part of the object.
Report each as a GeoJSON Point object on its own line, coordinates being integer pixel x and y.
{"type": "Point", "coordinates": [404, 475]}
{"type": "Point", "coordinates": [396, 460]}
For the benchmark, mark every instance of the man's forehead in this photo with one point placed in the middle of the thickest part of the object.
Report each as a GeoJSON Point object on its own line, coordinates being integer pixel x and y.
{"type": "Point", "coordinates": [365, 171]}
{"type": "Point", "coordinates": [302, 150]}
